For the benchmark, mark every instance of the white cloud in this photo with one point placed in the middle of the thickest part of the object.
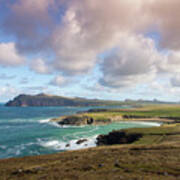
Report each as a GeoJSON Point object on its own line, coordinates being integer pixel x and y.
{"type": "Point", "coordinates": [8, 92]}
{"type": "Point", "coordinates": [134, 62]}
{"type": "Point", "coordinates": [88, 30]}
{"type": "Point", "coordinates": [40, 66]}
{"type": "Point", "coordinates": [77, 34]}
{"type": "Point", "coordinates": [59, 81]}
{"type": "Point", "coordinates": [171, 63]}
{"type": "Point", "coordinates": [9, 55]}
{"type": "Point", "coordinates": [165, 15]}
{"type": "Point", "coordinates": [175, 80]}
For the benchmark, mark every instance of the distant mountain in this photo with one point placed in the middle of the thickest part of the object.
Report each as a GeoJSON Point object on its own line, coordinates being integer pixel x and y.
{"type": "Point", "coordinates": [51, 100]}
{"type": "Point", "coordinates": [141, 101]}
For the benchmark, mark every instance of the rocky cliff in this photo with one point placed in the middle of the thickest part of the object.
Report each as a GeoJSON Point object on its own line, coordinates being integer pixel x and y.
{"type": "Point", "coordinates": [79, 120]}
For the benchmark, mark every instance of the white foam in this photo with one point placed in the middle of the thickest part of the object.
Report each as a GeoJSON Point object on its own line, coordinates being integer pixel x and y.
{"type": "Point", "coordinates": [2, 147]}
{"type": "Point", "coordinates": [71, 145]}
{"type": "Point", "coordinates": [44, 121]}
{"type": "Point", "coordinates": [149, 123]}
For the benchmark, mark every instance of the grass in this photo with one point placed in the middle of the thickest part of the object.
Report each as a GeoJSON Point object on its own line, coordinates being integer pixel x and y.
{"type": "Point", "coordinates": [163, 111]}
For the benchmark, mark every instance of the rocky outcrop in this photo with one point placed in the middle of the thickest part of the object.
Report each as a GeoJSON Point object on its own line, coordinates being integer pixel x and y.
{"type": "Point", "coordinates": [79, 120]}
{"type": "Point", "coordinates": [118, 137]}
{"type": "Point", "coordinates": [81, 141]}
{"type": "Point", "coordinates": [74, 120]}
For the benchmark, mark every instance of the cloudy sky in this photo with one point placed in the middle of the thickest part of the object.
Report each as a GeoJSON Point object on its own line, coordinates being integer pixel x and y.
{"type": "Point", "coordinates": [109, 49]}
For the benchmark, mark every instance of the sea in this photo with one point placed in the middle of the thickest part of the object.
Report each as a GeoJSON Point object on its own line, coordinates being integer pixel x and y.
{"type": "Point", "coordinates": [27, 131]}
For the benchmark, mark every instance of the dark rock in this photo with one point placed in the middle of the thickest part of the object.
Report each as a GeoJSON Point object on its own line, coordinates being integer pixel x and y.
{"type": "Point", "coordinates": [67, 145]}
{"type": "Point", "coordinates": [97, 110]}
{"type": "Point", "coordinates": [75, 120]}
{"type": "Point", "coordinates": [81, 141]}
{"type": "Point", "coordinates": [90, 121]}
{"type": "Point", "coordinates": [100, 165]}
{"type": "Point", "coordinates": [116, 164]}
{"type": "Point", "coordinates": [117, 137]}
{"type": "Point", "coordinates": [19, 171]}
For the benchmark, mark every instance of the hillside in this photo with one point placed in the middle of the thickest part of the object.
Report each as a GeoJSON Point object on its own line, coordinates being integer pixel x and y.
{"type": "Point", "coordinates": [51, 100]}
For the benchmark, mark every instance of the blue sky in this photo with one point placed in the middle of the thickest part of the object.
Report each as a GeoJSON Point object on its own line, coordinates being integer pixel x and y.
{"type": "Point", "coordinates": [80, 48]}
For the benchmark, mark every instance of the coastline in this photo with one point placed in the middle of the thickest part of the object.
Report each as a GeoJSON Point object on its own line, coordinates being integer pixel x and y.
{"type": "Point", "coordinates": [128, 161]}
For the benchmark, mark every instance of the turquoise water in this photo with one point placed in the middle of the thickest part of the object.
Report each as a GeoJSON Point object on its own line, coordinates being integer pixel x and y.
{"type": "Point", "coordinates": [27, 131]}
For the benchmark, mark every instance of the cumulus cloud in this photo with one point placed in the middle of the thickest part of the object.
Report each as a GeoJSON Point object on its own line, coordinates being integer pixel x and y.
{"type": "Point", "coordinates": [78, 32]}
{"type": "Point", "coordinates": [165, 14]}
{"type": "Point", "coordinates": [171, 63]}
{"type": "Point", "coordinates": [59, 81]}
{"type": "Point", "coordinates": [9, 55]}
{"type": "Point", "coordinates": [175, 80]}
{"type": "Point", "coordinates": [134, 62]}
{"type": "Point", "coordinates": [89, 28]}
{"type": "Point", "coordinates": [8, 91]}
{"type": "Point", "coordinates": [30, 22]}
{"type": "Point", "coordinates": [40, 66]}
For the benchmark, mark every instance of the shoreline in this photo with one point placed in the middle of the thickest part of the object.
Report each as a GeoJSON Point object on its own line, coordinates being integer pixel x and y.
{"type": "Point", "coordinates": [130, 161]}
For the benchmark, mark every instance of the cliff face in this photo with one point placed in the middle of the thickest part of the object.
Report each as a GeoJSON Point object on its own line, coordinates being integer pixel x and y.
{"type": "Point", "coordinates": [47, 100]}
{"type": "Point", "coordinates": [79, 120]}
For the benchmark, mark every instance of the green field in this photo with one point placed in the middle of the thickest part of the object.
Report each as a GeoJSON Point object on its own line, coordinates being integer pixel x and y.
{"type": "Point", "coordinates": [159, 111]}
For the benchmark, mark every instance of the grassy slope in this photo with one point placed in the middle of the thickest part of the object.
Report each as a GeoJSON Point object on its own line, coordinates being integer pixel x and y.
{"type": "Point", "coordinates": [167, 111]}
{"type": "Point", "coordinates": [162, 113]}
{"type": "Point", "coordinates": [155, 156]}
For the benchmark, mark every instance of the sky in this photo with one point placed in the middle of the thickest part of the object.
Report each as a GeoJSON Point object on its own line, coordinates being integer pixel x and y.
{"type": "Point", "coordinates": [106, 49]}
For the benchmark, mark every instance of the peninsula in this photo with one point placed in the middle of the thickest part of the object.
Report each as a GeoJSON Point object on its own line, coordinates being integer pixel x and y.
{"type": "Point", "coordinates": [42, 99]}
{"type": "Point", "coordinates": [152, 113]}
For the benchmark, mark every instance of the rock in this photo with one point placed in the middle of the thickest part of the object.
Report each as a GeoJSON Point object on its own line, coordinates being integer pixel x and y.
{"type": "Point", "coordinates": [117, 137]}
{"type": "Point", "coordinates": [116, 164]}
{"type": "Point", "coordinates": [100, 165]}
{"type": "Point", "coordinates": [81, 141]}
{"type": "Point", "coordinates": [67, 145]}
{"type": "Point", "coordinates": [17, 172]}
{"type": "Point", "coordinates": [75, 120]}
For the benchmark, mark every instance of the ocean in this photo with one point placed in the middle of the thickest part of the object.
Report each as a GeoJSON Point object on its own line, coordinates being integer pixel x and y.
{"type": "Point", "coordinates": [27, 131]}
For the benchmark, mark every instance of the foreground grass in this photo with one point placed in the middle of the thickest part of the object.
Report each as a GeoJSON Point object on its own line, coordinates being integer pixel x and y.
{"type": "Point", "coordinates": [155, 156]}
